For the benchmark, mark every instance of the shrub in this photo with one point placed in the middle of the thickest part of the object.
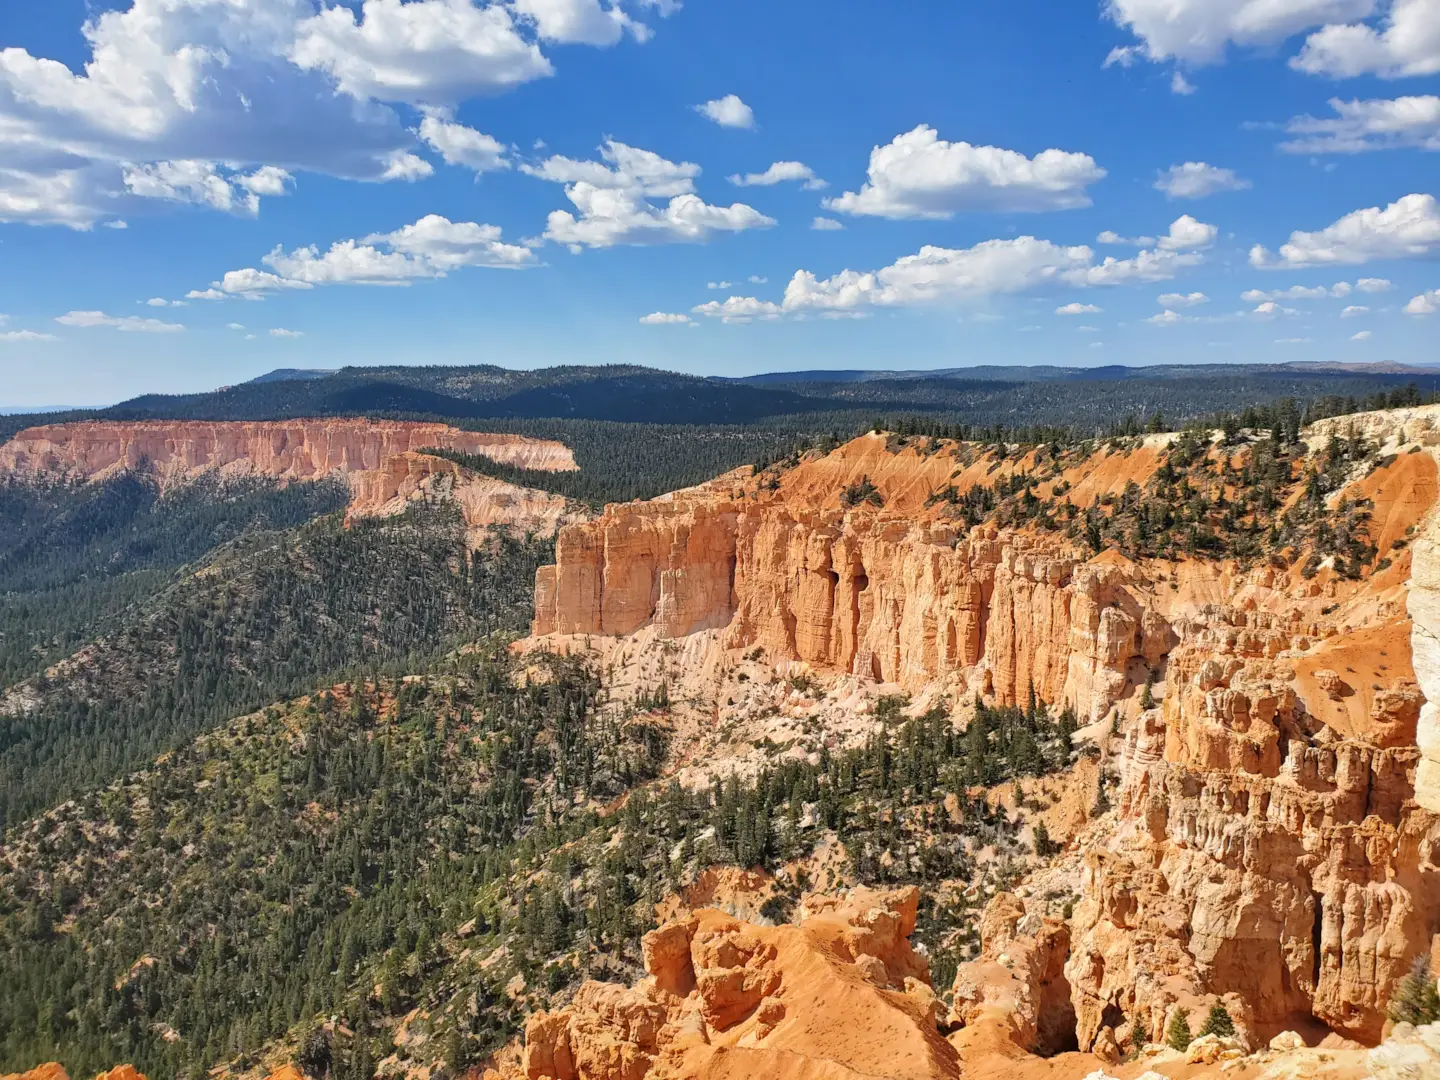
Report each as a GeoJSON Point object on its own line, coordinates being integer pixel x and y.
{"type": "Point", "coordinates": [862, 491]}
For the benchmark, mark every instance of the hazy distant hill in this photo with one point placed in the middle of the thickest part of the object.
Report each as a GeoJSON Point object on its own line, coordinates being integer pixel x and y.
{"type": "Point", "coordinates": [812, 400]}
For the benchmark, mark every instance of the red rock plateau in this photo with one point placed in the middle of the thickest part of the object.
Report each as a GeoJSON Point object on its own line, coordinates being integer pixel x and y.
{"type": "Point", "coordinates": [57, 1072]}
{"type": "Point", "coordinates": [1274, 842]}
{"type": "Point", "coordinates": [383, 461]}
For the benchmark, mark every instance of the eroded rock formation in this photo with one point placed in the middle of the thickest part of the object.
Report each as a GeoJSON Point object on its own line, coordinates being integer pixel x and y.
{"type": "Point", "coordinates": [1275, 844]}
{"type": "Point", "coordinates": [898, 594]}
{"type": "Point", "coordinates": [842, 994]}
{"type": "Point", "coordinates": [381, 461]}
{"type": "Point", "coordinates": [55, 1071]}
{"type": "Point", "coordinates": [294, 449]}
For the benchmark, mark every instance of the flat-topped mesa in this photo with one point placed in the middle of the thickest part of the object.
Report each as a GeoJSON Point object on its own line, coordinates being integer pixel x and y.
{"type": "Point", "coordinates": [290, 449]}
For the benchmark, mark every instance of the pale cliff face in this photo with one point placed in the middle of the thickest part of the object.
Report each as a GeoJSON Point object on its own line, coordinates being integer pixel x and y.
{"type": "Point", "coordinates": [381, 461]}
{"type": "Point", "coordinates": [295, 449]}
{"type": "Point", "coordinates": [1275, 842]}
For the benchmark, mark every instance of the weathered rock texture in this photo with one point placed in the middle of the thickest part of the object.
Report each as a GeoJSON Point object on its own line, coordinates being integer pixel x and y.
{"type": "Point", "coordinates": [841, 995]}
{"type": "Point", "coordinates": [380, 460]}
{"type": "Point", "coordinates": [1275, 844]}
{"type": "Point", "coordinates": [294, 449]}
{"type": "Point", "coordinates": [484, 501]}
{"type": "Point", "coordinates": [897, 593]}
{"type": "Point", "coordinates": [54, 1071]}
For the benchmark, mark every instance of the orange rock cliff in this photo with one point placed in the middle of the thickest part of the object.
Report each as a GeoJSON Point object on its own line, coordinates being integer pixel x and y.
{"type": "Point", "coordinates": [382, 461]}
{"type": "Point", "coordinates": [1275, 838]}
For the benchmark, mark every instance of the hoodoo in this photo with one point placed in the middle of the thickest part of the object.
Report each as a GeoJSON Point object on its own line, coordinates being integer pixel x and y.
{"type": "Point", "coordinates": [1265, 673]}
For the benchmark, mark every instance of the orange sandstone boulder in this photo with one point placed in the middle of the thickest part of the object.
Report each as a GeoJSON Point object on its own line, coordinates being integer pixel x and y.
{"type": "Point", "coordinates": [51, 1071]}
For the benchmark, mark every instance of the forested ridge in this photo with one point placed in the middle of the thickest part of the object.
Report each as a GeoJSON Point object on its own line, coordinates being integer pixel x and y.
{"type": "Point", "coordinates": [809, 403]}
{"type": "Point", "coordinates": [74, 557]}
{"type": "Point", "coordinates": [389, 846]}
{"type": "Point", "coordinates": [260, 618]}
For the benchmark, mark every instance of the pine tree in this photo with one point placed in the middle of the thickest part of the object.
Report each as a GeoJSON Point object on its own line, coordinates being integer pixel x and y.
{"type": "Point", "coordinates": [1218, 1022]}
{"type": "Point", "coordinates": [1177, 1035]}
{"type": "Point", "coordinates": [1044, 846]}
{"type": "Point", "coordinates": [1417, 999]}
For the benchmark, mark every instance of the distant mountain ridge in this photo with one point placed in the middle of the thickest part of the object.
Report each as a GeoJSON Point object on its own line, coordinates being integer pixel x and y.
{"type": "Point", "coordinates": [287, 374]}
{"type": "Point", "coordinates": [814, 401]}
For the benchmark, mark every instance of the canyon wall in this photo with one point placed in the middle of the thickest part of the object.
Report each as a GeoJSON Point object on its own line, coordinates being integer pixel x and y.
{"type": "Point", "coordinates": [292, 449]}
{"type": "Point", "coordinates": [893, 593]}
{"type": "Point", "coordinates": [1275, 843]}
{"type": "Point", "coordinates": [381, 461]}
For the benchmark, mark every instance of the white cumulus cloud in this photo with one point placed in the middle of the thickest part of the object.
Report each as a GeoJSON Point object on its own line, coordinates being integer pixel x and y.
{"type": "Point", "coordinates": [461, 145]}
{"type": "Point", "coordinates": [739, 309]}
{"type": "Point", "coordinates": [1408, 228]}
{"type": "Point", "coordinates": [1374, 124]}
{"type": "Point", "coordinates": [133, 324]}
{"type": "Point", "coordinates": [1200, 31]}
{"type": "Point", "coordinates": [1297, 292]}
{"type": "Point", "coordinates": [206, 183]}
{"type": "Point", "coordinates": [16, 337]}
{"type": "Point", "coordinates": [1196, 180]}
{"type": "Point", "coordinates": [1427, 303]}
{"type": "Point", "coordinates": [728, 111]}
{"type": "Point", "coordinates": [612, 198]}
{"type": "Point", "coordinates": [920, 175]}
{"type": "Point", "coordinates": [1354, 311]}
{"type": "Point", "coordinates": [281, 332]}
{"type": "Point", "coordinates": [580, 22]}
{"type": "Point", "coordinates": [936, 276]}
{"type": "Point", "coordinates": [1187, 234]}
{"type": "Point", "coordinates": [431, 247]}
{"type": "Point", "coordinates": [779, 173]}
{"type": "Point", "coordinates": [403, 165]}
{"type": "Point", "coordinates": [424, 52]}
{"type": "Point", "coordinates": [1169, 317]}
{"type": "Point", "coordinates": [662, 318]}
{"type": "Point", "coordinates": [1362, 335]}
{"type": "Point", "coordinates": [1077, 308]}
{"type": "Point", "coordinates": [1406, 42]}
{"type": "Point", "coordinates": [179, 99]}
{"type": "Point", "coordinates": [1182, 300]}
{"type": "Point", "coordinates": [826, 224]}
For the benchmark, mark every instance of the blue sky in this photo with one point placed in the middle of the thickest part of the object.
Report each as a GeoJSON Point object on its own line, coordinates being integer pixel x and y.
{"type": "Point", "coordinates": [534, 182]}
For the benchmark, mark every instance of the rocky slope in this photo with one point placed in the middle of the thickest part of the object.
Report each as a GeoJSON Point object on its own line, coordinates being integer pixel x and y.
{"type": "Point", "coordinates": [56, 1072]}
{"type": "Point", "coordinates": [1262, 691]}
{"type": "Point", "coordinates": [383, 461]}
{"type": "Point", "coordinates": [728, 998]}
